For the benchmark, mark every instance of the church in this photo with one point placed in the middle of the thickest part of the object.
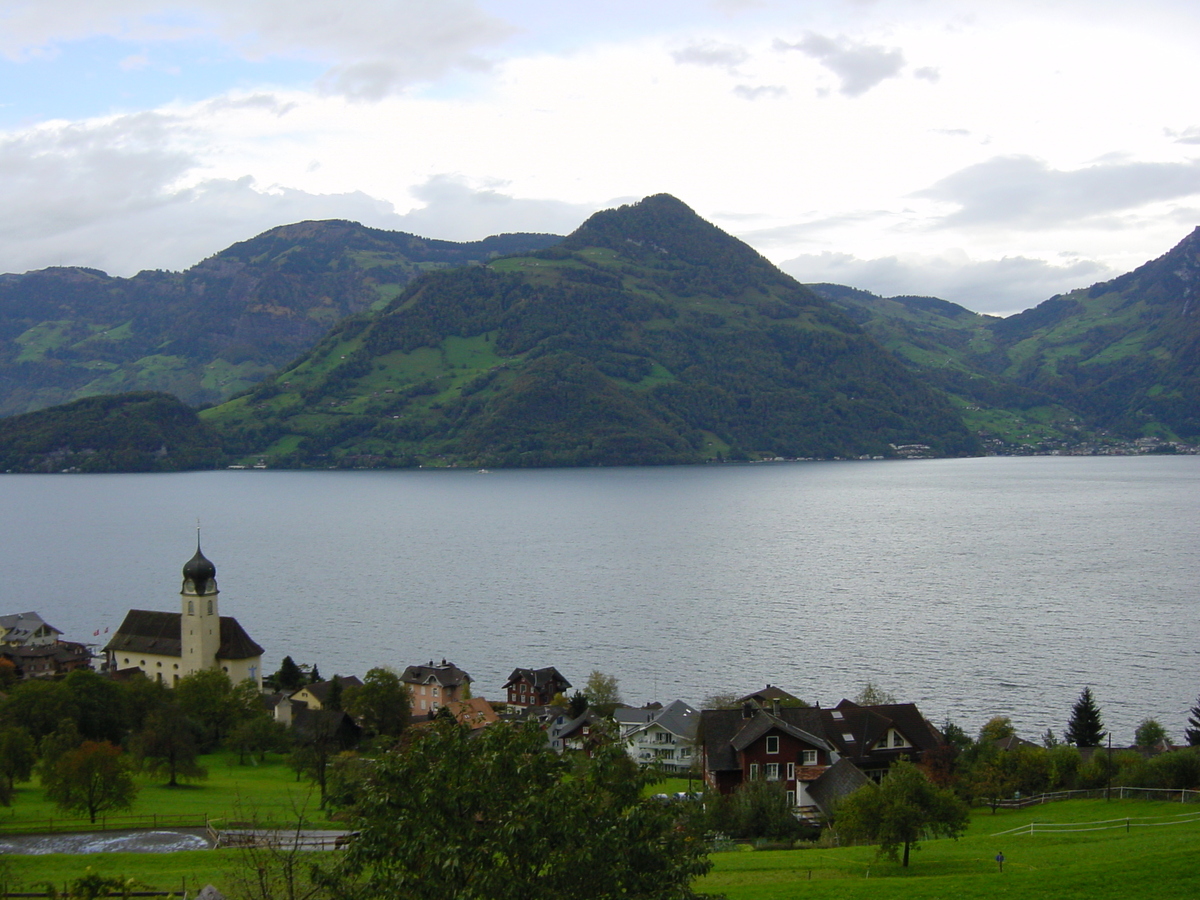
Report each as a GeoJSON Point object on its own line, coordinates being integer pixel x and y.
{"type": "Point", "coordinates": [167, 645]}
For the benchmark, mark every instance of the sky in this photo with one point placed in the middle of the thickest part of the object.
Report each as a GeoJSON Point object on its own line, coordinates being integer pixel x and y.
{"type": "Point", "coordinates": [990, 153]}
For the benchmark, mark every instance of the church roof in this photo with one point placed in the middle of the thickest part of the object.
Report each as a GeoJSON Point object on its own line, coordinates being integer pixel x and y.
{"type": "Point", "coordinates": [149, 631]}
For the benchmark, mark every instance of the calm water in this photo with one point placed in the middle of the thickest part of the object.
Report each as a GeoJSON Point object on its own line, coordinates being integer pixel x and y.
{"type": "Point", "coordinates": [973, 587]}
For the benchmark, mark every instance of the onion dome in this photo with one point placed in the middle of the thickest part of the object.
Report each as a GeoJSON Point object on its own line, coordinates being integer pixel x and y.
{"type": "Point", "coordinates": [199, 571]}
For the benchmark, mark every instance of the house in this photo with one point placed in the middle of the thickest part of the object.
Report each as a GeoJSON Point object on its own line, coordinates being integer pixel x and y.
{"type": "Point", "coordinates": [666, 738]}
{"type": "Point", "coordinates": [27, 630]}
{"type": "Point", "coordinates": [800, 747]}
{"type": "Point", "coordinates": [433, 686]}
{"type": "Point", "coordinates": [47, 660]}
{"type": "Point", "coordinates": [169, 645]}
{"type": "Point", "coordinates": [535, 687]}
{"type": "Point", "coordinates": [475, 713]}
{"type": "Point", "coordinates": [580, 733]}
{"type": "Point", "coordinates": [316, 696]}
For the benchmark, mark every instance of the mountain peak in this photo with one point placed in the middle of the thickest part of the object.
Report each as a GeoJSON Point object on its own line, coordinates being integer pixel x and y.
{"type": "Point", "coordinates": [662, 225]}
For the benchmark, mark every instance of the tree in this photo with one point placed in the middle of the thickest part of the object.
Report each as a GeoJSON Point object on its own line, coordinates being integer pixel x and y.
{"type": "Point", "coordinates": [1148, 734]}
{"type": "Point", "coordinates": [381, 704]}
{"type": "Point", "coordinates": [259, 736]}
{"type": "Point", "coordinates": [1192, 732]}
{"type": "Point", "coordinates": [902, 809]}
{"type": "Point", "coordinates": [1085, 728]}
{"type": "Point", "coordinates": [873, 695]}
{"type": "Point", "coordinates": [997, 728]}
{"type": "Point", "coordinates": [289, 677]}
{"type": "Point", "coordinates": [93, 778]}
{"type": "Point", "coordinates": [169, 745]}
{"type": "Point", "coordinates": [602, 693]}
{"type": "Point", "coordinates": [499, 817]}
{"type": "Point", "coordinates": [18, 752]}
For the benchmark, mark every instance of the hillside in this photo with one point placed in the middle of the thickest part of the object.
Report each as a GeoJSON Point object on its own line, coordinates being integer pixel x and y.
{"type": "Point", "coordinates": [647, 336]}
{"type": "Point", "coordinates": [136, 432]}
{"type": "Point", "coordinates": [216, 329]}
{"type": "Point", "coordinates": [1118, 360]}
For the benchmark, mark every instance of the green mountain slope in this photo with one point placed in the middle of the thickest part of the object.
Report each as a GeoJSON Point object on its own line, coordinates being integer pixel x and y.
{"type": "Point", "coordinates": [217, 328]}
{"type": "Point", "coordinates": [647, 336]}
{"type": "Point", "coordinates": [1117, 360]}
{"type": "Point", "coordinates": [136, 432]}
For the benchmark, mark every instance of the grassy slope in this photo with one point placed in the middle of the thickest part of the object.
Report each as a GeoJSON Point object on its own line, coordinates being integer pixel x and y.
{"type": "Point", "coordinates": [1086, 864]}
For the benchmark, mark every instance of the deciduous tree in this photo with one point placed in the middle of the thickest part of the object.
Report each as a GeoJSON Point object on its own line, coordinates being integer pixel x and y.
{"type": "Point", "coordinates": [169, 744]}
{"type": "Point", "coordinates": [381, 704]}
{"type": "Point", "coordinates": [448, 816]}
{"type": "Point", "coordinates": [1148, 734]}
{"type": "Point", "coordinates": [93, 778]}
{"type": "Point", "coordinates": [18, 752]}
{"type": "Point", "coordinates": [602, 692]}
{"type": "Point", "coordinates": [901, 810]}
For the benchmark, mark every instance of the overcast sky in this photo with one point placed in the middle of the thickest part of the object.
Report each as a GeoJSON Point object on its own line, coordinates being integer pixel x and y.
{"type": "Point", "coordinates": [991, 153]}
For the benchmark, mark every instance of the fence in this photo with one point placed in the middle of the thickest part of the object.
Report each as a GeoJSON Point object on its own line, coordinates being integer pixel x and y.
{"type": "Point", "coordinates": [1127, 823]}
{"type": "Point", "coordinates": [102, 823]}
{"type": "Point", "coordinates": [1116, 793]}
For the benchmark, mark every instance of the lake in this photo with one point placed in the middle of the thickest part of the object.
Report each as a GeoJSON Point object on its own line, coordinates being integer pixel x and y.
{"type": "Point", "coordinates": [973, 587]}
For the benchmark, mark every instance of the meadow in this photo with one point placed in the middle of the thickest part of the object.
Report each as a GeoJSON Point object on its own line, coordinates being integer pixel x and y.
{"type": "Point", "coordinates": [1144, 846]}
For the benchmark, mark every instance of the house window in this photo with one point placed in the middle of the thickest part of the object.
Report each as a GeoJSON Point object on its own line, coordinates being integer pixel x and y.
{"type": "Point", "coordinates": [791, 772]}
{"type": "Point", "coordinates": [808, 757]}
{"type": "Point", "coordinates": [772, 771]}
{"type": "Point", "coordinates": [753, 771]}
{"type": "Point", "coordinates": [791, 798]}
{"type": "Point", "coordinates": [897, 740]}
{"type": "Point", "coordinates": [773, 743]}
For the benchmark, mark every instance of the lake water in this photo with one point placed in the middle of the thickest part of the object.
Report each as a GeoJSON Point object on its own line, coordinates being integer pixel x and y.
{"type": "Point", "coordinates": [974, 587]}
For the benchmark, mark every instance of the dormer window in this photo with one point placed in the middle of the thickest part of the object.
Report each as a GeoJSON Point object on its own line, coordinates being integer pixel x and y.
{"type": "Point", "coordinates": [897, 739]}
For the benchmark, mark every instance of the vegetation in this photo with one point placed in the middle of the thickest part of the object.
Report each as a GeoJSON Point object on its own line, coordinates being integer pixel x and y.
{"type": "Point", "coordinates": [93, 778]}
{"type": "Point", "coordinates": [897, 813]}
{"type": "Point", "coordinates": [1085, 729]}
{"type": "Point", "coordinates": [541, 825]}
{"type": "Point", "coordinates": [649, 336]}
{"type": "Point", "coordinates": [138, 432]}
{"type": "Point", "coordinates": [216, 329]}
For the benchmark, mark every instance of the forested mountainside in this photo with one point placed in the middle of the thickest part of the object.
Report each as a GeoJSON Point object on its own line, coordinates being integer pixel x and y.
{"type": "Point", "coordinates": [135, 432]}
{"type": "Point", "coordinates": [1120, 359]}
{"type": "Point", "coordinates": [215, 329]}
{"type": "Point", "coordinates": [647, 336]}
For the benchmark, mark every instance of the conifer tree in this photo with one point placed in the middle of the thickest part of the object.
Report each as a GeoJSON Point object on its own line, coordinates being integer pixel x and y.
{"type": "Point", "coordinates": [1086, 729]}
{"type": "Point", "coordinates": [1192, 732]}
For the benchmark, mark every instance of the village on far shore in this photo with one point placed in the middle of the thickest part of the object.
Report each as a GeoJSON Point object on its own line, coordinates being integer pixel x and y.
{"type": "Point", "coordinates": [816, 754]}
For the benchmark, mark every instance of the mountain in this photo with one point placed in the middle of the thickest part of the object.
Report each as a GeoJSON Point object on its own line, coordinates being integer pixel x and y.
{"type": "Point", "coordinates": [646, 336]}
{"type": "Point", "coordinates": [217, 328]}
{"type": "Point", "coordinates": [135, 432]}
{"type": "Point", "coordinates": [1116, 360]}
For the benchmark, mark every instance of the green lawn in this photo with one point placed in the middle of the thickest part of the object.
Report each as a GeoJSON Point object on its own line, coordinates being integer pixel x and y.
{"type": "Point", "coordinates": [1084, 864]}
{"type": "Point", "coordinates": [232, 792]}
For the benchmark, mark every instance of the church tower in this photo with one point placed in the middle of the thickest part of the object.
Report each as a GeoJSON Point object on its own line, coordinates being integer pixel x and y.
{"type": "Point", "coordinates": [200, 622]}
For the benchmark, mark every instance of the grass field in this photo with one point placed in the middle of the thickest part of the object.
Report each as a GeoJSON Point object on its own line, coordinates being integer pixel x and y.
{"type": "Point", "coordinates": [1160, 860]}
{"type": "Point", "coordinates": [1121, 861]}
{"type": "Point", "coordinates": [232, 792]}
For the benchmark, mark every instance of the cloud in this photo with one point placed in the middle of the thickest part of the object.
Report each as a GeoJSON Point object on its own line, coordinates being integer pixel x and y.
{"type": "Point", "coordinates": [1187, 136]}
{"type": "Point", "coordinates": [123, 195]}
{"type": "Point", "coordinates": [1022, 191]}
{"type": "Point", "coordinates": [928, 73]}
{"type": "Point", "coordinates": [757, 92]}
{"type": "Point", "coordinates": [453, 210]}
{"type": "Point", "coordinates": [372, 47]}
{"type": "Point", "coordinates": [993, 286]}
{"type": "Point", "coordinates": [711, 53]}
{"type": "Point", "coordinates": [859, 66]}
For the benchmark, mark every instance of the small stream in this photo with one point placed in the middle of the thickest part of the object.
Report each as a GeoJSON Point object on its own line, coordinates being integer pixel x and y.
{"type": "Point", "coordinates": [106, 842]}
